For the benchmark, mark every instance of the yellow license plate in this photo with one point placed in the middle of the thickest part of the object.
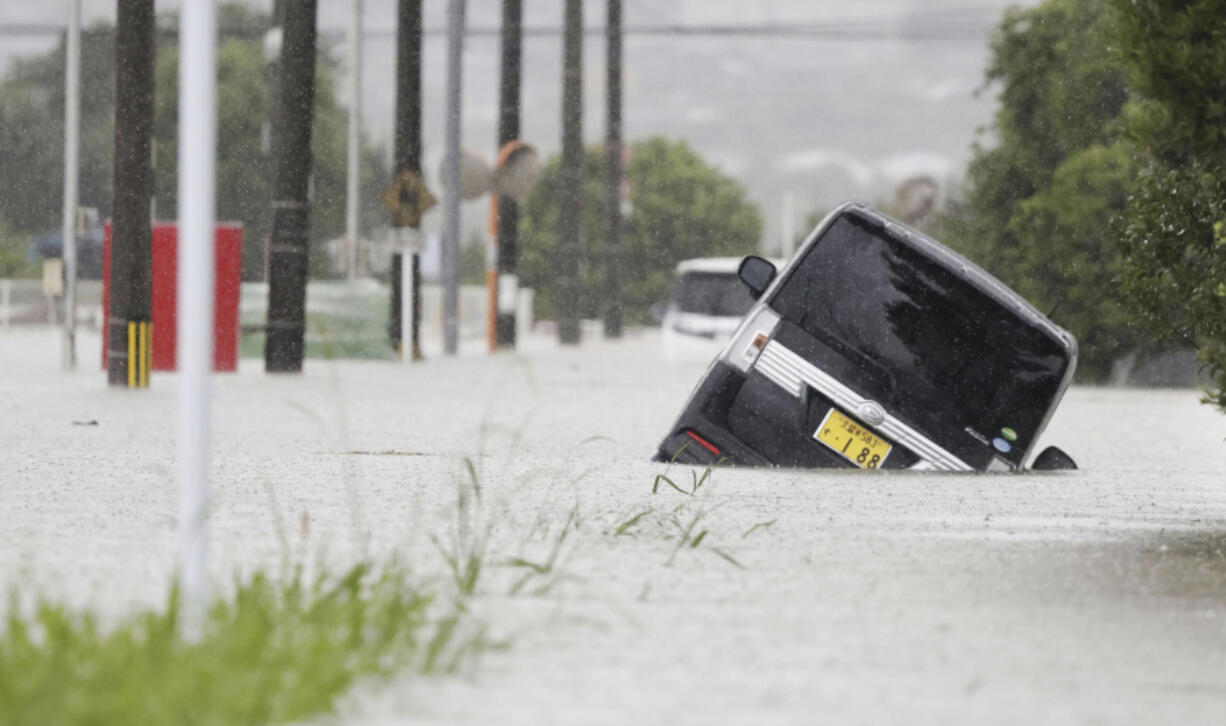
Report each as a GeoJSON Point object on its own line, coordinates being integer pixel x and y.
{"type": "Point", "coordinates": [859, 445]}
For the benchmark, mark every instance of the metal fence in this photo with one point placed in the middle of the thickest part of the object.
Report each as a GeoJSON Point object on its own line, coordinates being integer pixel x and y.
{"type": "Point", "coordinates": [359, 310]}
{"type": "Point", "coordinates": [23, 302]}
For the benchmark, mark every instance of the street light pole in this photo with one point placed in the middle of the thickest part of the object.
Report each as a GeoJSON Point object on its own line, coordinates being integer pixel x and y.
{"type": "Point", "coordinates": [72, 138]}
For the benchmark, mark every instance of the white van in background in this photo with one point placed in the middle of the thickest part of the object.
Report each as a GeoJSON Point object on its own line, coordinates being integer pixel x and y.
{"type": "Point", "coordinates": [706, 306]}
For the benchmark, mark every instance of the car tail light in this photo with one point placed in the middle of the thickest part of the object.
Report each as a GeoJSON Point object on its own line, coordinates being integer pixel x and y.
{"type": "Point", "coordinates": [703, 442]}
{"type": "Point", "coordinates": [753, 335]}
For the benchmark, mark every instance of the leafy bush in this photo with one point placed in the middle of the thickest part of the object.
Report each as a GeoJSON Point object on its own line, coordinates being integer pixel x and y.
{"type": "Point", "coordinates": [1175, 266]}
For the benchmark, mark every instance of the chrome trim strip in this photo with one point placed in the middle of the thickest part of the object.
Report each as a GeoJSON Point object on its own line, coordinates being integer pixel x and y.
{"type": "Point", "coordinates": [792, 372]}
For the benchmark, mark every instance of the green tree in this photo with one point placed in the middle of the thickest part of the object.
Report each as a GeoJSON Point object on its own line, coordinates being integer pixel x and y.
{"type": "Point", "coordinates": [1039, 203]}
{"type": "Point", "coordinates": [1072, 266]}
{"type": "Point", "coordinates": [244, 162]}
{"type": "Point", "coordinates": [32, 133]}
{"type": "Point", "coordinates": [681, 208]}
{"type": "Point", "coordinates": [1174, 228]}
{"type": "Point", "coordinates": [31, 138]}
{"type": "Point", "coordinates": [472, 260]}
{"type": "Point", "coordinates": [13, 259]}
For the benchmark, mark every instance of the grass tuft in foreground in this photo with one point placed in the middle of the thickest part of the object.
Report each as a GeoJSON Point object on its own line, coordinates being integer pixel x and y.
{"type": "Point", "coordinates": [276, 652]}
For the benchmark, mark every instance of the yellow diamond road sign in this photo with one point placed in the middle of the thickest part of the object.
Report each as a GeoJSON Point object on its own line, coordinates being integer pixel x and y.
{"type": "Point", "coordinates": [408, 199]}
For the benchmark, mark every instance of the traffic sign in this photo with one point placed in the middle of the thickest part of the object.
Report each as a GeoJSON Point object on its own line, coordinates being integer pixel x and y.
{"type": "Point", "coordinates": [407, 198]}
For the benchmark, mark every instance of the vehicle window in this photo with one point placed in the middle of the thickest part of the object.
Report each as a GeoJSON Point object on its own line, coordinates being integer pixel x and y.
{"type": "Point", "coordinates": [943, 348]}
{"type": "Point", "coordinates": [712, 293]}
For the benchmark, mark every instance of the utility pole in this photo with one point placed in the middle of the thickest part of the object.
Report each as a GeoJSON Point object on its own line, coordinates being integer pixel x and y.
{"type": "Point", "coordinates": [571, 175]}
{"type": "Point", "coordinates": [284, 344]}
{"type": "Point", "coordinates": [352, 192]}
{"type": "Point", "coordinates": [129, 325]}
{"type": "Point", "coordinates": [508, 209]}
{"type": "Point", "coordinates": [273, 42]}
{"type": "Point", "coordinates": [405, 204]}
{"type": "Point", "coordinates": [72, 140]}
{"type": "Point", "coordinates": [613, 170]}
{"type": "Point", "coordinates": [451, 178]}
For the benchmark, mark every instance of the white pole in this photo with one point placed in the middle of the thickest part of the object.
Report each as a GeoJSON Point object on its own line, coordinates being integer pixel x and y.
{"type": "Point", "coordinates": [197, 211]}
{"type": "Point", "coordinates": [6, 303]}
{"type": "Point", "coordinates": [451, 179]}
{"type": "Point", "coordinates": [787, 226]}
{"type": "Point", "coordinates": [352, 195]}
{"type": "Point", "coordinates": [72, 133]}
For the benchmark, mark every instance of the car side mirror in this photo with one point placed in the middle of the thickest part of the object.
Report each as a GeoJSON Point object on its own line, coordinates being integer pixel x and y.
{"type": "Point", "coordinates": [1053, 459]}
{"type": "Point", "coordinates": [757, 274]}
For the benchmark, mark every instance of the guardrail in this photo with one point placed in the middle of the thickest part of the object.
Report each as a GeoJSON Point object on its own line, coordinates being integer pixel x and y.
{"type": "Point", "coordinates": [23, 302]}
{"type": "Point", "coordinates": [365, 303]}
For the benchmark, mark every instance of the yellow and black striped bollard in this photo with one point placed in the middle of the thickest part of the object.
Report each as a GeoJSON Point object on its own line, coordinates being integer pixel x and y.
{"type": "Point", "coordinates": [140, 352]}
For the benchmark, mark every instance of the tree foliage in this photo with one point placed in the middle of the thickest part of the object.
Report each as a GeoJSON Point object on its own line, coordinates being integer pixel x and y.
{"type": "Point", "coordinates": [681, 208]}
{"type": "Point", "coordinates": [1174, 227]}
{"type": "Point", "coordinates": [13, 259]}
{"type": "Point", "coordinates": [1039, 203]}
{"type": "Point", "coordinates": [32, 127]}
{"type": "Point", "coordinates": [32, 133]}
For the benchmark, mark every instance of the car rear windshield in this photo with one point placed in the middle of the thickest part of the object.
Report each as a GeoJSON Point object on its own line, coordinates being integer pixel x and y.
{"type": "Point", "coordinates": [938, 351]}
{"type": "Point", "coordinates": [721, 294]}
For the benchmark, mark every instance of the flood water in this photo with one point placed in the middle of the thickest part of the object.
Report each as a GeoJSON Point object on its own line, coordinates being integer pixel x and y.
{"type": "Point", "coordinates": [1090, 596]}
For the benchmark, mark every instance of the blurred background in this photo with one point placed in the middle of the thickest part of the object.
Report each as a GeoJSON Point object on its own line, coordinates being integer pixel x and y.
{"type": "Point", "coordinates": [823, 101]}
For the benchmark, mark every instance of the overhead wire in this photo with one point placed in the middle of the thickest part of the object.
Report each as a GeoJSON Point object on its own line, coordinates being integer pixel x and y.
{"type": "Point", "coordinates": [923, 26]}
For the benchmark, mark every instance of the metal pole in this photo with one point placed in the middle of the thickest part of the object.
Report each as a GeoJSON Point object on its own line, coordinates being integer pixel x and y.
{"type": "Point", "coordinates": [131, 240]}
{"type": "Point", "coordinates": [197, 211]}
{"type": "Point", "coordinates": [508, 210]}
{"type": "Point", "coordinates": [352, 194]}
{"type": "Point", "coordinates": [571, 175]}
{"type": "Point", "coordinates": [274, 41]}
{"type": "Point", "coordinates": [787, 226]}
{"type": "Point", "coordinates": [284, 346]}
{"type": "Point", "coordinates": [451, 179]}
{"type": "Point", "coordinates": [405, 316]}
{"type": "Point", "coordinates": [613, 170]}
{"type": "Point", "coordinates": [72, 137]}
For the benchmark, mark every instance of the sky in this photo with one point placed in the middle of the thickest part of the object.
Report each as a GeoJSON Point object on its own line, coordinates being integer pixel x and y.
{"type": "Point", "coordinates": [822, 119]}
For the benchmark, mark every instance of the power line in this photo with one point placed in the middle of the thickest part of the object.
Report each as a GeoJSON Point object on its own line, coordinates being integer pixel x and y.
{"type": "Point", "coordinates": [863, 30]}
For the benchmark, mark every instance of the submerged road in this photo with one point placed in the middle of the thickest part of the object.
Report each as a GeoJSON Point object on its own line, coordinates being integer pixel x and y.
{"type": "Point", "coordinates": [1096, 596]}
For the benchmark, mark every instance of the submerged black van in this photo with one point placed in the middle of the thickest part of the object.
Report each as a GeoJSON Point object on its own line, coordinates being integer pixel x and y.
{"type": "Point", "coordinates": [877, 347]}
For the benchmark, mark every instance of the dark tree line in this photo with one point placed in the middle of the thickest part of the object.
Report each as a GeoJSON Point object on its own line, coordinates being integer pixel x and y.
{"type": "Point", "coordinates": [32, 124]}
{"type": "Point", "coordinates": [680, 207]}
{"type": "Point", "coordinates": [1101, 197]}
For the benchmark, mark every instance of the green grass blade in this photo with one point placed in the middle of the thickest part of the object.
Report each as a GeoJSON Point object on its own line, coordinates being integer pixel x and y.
{"type": "Point", "coordinates": [621, 528]}
{"type": "Point", "coordinates": [758, 526]}
{"type": "Point", "coordinates": [717, 551]}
